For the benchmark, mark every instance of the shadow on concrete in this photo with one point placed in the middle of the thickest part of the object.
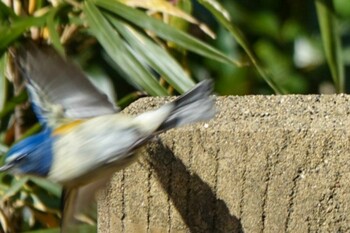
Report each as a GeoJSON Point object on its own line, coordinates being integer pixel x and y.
{"type": "Point", "coordinates": [192, 197]}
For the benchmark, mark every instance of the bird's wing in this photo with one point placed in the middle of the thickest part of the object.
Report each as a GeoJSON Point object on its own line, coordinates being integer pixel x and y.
{"type": "Point", "coordinates": [77, 202]}
{"type": "Point", "coordinates": [69, 196]}
{"type": "Point", "coordinates": [59, 89]}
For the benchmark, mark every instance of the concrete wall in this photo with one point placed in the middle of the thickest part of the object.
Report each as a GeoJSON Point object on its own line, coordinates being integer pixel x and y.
{"type": "Point", "coordinates": [264, 164]}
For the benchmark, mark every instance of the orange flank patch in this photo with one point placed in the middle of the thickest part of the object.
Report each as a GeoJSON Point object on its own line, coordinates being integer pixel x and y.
{"type": "Point", "coordinates": [67, 127]}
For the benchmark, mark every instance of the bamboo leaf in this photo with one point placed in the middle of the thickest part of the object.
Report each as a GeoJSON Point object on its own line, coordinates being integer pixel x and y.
{"type": "Point", "coordinates": [10, 33]}
{"type": "Point", "coordinates": [42, 202]}
{"type": "Point", "coordinates": [3, 86]}
{"type": "Point", "coordinates": [331, 43]}
{"type": "Point", "coordinates": [15, 188]}
{"type": "Point", "coordinates": [118, 50]}
{"type": "Point", "coordinates": [168, 8]}
{"type": "Point", "coordinates": [6, 11]}
{"type": "Point", "coordinates": [52, 24]}
{"type": "Point", "coordinates": [12, 103]}
{"type": "Point", "coordinates": [51, 187]}
{"type": "Point", "coordinates": [164, 31]}
{"type": "Point", "coordinates": [155, 56]}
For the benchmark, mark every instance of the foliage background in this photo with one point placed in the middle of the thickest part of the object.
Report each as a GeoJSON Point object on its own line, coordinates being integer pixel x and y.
{"type": "Point", "coordinates": [263, 47]}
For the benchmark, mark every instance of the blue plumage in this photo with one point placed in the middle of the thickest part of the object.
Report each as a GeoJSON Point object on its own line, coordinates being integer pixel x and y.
{"type": "Point", "coordinates": [32, 155]}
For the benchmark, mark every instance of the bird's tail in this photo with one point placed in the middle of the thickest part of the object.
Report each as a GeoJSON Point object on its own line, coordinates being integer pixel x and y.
{"type": "Point", "coordinates": [195, 105]}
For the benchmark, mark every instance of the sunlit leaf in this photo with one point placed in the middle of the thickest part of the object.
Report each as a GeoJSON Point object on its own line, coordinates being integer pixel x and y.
{"type": "Point", "coordinates": [167, 8]}
{"type": "Point", "coordinates": [118, 50]}
{"type": "Point", "coordinates": [180, 23]}
{"type": "Point", "coordinates": [4, 222]}
{"type": "Point", "coordinates": [43, 203]}
{"type": "Point", "coordinates": [37, 203]}
{"type": "Point", "coordinates": [163, 30]}
{"type": "Point", "coordinates": [155, 56]}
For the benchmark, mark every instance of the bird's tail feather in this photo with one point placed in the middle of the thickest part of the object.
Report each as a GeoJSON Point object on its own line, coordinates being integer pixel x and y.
{"type": "Point", "coordinates": [195, 105]}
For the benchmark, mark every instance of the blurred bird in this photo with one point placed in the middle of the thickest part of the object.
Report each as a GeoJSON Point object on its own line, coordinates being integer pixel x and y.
{"type": "Point", "coordinates": [85, 139]}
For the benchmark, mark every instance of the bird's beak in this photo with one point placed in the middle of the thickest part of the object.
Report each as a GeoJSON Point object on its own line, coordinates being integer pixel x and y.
{"type": "Point", "coordinates": [6, 167]}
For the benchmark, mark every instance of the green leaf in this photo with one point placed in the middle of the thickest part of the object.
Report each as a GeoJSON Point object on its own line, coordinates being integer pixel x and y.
{"type": "Point", "coordinates": [15, 187]}
{"type": "Point", "coordinates": [3, 86]}
{"type": "Point", "coordinates": [10, 33]}
{"type": "Point", "coordinates": [331, 43]}
{"type": "Point", "coordinates": [224, 18]}
{"type": "Point", "coordinates": [49, 186]}
{"type": "Point", "coordinates": [6, 11]}
{"type": "Point", "coordinates": [32, 130]}
{"type": "Point", "coordinates": [169, 8]}
{"type": "Point", "coordinates": [163, 30]}
{"type": "Point", "coordinates": [52, 24]}
{"type": "Point", "coordinates": [43, 202]}
{"type": "Point", "coordinates": [128, 99]}
{"type": "Point", "coordinates": [12, 103]}
{"type": "Point", "coordinates": [120, 52]}
{"type": "Point", "coordinates": [155, 56]}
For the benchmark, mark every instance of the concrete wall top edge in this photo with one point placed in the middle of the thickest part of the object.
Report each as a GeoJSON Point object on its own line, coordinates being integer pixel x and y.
{"type": "Point", "coordinates": [261, 112]}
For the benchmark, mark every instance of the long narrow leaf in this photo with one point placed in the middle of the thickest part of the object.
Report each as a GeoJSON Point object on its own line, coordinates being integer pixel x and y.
{"type": "Point", "coordinates": [163, 30]}
{"type": "Point", "coordinates": [155, 56]}
{"type": "Point", "coordinates": [12, 103]}
{"type": "Point", "coordinates": [118, 51]}
{"type": "Point", "coordinates": [16, 29]}
{"type": "Point", "coordinates": [15, 188]}
{"type": "Point", "coordinates": [332, 43]}
{"type": "Point", "coordinates": [3, 86]}
{"type": "Point", "coordinates": [223, 17]}
{"type": "Point", "coordinates": [6, 11]}
{"type": "Point", "coordinates": [52, 23]}
{"type": "Point", "coordinates": [169, 8]}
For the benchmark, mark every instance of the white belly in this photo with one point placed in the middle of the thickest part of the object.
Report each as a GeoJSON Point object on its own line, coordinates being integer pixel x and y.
{"type": "Point", "coordinates": [91, 145]}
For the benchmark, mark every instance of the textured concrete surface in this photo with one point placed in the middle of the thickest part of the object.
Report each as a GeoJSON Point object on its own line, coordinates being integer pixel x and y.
{"type": "Point", "coordinates": [264, 164]}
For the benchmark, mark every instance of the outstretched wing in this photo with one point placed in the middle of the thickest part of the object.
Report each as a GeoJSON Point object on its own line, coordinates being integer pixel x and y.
{"type": "Point", "coordinates": [58, 89]}
{"type": "Point", "coordinates": [78, 202]}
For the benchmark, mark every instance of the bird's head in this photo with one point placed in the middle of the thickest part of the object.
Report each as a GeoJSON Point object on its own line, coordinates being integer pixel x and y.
{"type": "Point", "coordinates": [32, 155]}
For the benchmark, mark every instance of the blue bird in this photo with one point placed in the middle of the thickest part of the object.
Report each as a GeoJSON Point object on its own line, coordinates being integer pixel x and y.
{"type": "Point", "coordinates": [85, 139]}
